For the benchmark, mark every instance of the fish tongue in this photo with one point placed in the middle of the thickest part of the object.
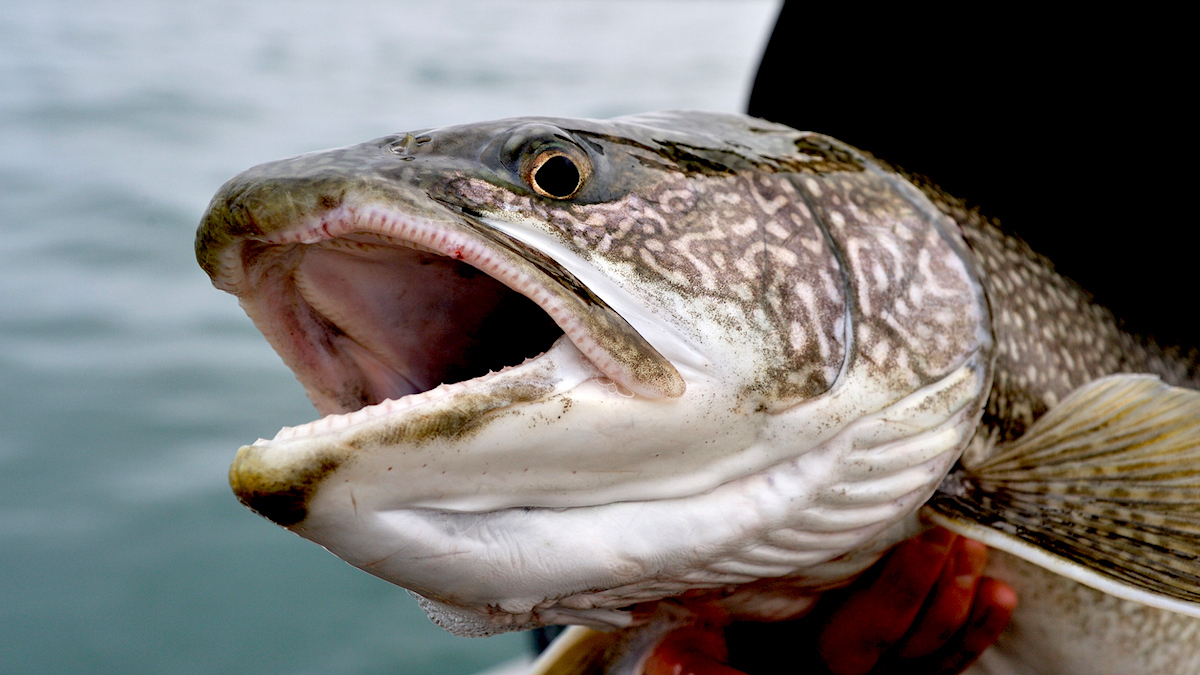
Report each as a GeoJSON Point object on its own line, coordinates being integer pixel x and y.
{"type": "Point", "coordinates": [1104, 489]}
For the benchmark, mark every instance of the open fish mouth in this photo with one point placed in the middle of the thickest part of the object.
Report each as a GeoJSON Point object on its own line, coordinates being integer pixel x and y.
{"type": "Point", "coordinates": [366, 308]}
{"type": "Point", "coordinates": [376, 312]}
{"type": "Point", "coordinates": [407, 319]}
{"type": "Point", "coordinates": [369, 305]}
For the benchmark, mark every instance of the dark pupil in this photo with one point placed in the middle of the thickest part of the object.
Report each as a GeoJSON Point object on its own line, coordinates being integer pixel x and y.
{"type": "Point", "coordinates": [557, 177]}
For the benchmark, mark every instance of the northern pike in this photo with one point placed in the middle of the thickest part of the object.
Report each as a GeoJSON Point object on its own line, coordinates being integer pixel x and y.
{"type": "Point", "coordinates": [569, 368]}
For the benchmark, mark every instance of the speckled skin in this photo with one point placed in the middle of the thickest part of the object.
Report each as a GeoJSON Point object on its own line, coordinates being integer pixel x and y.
{"type": "Point", "coordinates": [753, 227]}
{"type": "Point", "coordinates": [1050, 339]}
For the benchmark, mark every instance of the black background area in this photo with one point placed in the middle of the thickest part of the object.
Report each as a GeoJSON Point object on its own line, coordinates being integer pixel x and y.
{"type": "Point", "coordinates": [1076, 131]}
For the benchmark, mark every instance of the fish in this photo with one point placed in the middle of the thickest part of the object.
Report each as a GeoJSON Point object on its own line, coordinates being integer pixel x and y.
{"type": "Point", "coordinates": [602, 372]}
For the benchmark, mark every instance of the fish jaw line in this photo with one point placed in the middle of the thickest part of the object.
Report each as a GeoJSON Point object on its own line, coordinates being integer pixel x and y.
{"type": "Point", "coordinates": [278, 478]}
{"type": "Point", "coordinates": [682, 351]}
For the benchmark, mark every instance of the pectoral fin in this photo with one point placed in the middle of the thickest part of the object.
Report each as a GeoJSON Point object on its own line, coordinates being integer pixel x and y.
{"type": "Point", "coordinates": [1104, 489]}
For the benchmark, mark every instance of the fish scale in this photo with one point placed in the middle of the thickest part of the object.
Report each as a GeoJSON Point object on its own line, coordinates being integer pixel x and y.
{"type": "Point", "coordinates": [1050, 337]}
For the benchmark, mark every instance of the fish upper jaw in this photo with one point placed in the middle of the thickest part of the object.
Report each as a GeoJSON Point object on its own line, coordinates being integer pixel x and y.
{"type": "Point", "coordinates": [323, 263]}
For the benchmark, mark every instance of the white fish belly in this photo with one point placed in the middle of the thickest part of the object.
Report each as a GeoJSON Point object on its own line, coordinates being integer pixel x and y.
{"type": "Point", "coordinates": [1063, 627]}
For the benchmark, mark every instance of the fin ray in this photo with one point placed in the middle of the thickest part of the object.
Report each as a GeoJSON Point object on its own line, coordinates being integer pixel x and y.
{"type": "Point", "coordinates": [1104, 489]}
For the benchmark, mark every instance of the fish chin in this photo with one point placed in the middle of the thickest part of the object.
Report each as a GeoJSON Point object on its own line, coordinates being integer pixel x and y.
{"type": "Point", "coordinates": [500, 545]}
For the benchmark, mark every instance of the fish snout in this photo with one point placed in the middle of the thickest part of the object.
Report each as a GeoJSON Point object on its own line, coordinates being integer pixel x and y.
{"type": "Point", "coordinates": [276, 489]}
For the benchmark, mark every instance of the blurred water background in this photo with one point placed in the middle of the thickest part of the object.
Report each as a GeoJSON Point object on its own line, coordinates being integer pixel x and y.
{"type": "Point", "coordinates": [127, 381]}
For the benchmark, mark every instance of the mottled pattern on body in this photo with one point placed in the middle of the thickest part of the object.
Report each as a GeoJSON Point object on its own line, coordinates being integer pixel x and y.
{"type": "Point", "coordinates": [1050, 337]}
{"type": "Point", "coordinates": [815, 335]}
{"type": "Point", "coordinates": [914, 313]}
{"type": "Point", "coordinates": [746, 243]}
{"type": "Point", "coordinates": [781, 251]}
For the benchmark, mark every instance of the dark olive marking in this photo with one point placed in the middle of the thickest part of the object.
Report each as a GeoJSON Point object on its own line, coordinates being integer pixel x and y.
{"type": "Point", "coordinates": [281, 498]}
{"type": "Point", "coordinates": [822, 157]}
{"type": "Point", "coordinates": [826, 157]}
{"type": "Point", "coordinates": [467, 416]}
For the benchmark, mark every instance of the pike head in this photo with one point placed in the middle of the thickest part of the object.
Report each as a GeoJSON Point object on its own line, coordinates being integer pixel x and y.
{"type": "Point", "coordinates": [568, 366]}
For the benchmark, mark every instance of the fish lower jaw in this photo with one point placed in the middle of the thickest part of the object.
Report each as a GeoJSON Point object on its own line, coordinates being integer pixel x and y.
{"type": "Point", "coordinates": [563, 354]}
{"type": "Point", "coordinates": [563, 359]}
{"type": "Point", "coordinates": [492, 559]}
{"type": "Point", "coordinates": [278, 478]}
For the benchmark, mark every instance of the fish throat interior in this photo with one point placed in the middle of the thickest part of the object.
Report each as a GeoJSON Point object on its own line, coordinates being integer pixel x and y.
{"type": "Point", "coordinates": [366, 317]}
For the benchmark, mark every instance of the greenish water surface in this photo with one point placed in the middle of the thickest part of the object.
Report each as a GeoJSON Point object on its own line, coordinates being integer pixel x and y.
{"type": "Point", "coordinates": [127, 381]}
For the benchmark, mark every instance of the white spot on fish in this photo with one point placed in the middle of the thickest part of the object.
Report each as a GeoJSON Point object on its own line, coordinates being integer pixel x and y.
{"type": "Point", "coordinates": [777, 230]}
{"type": "Point", "coordinates": [798, 337]}
{"type": "Point", "coordinates": [881, 279]}
{"type": "Point", "coordinates": [879, 351]}
{"type": "Point", "coordinates": [747, 227]}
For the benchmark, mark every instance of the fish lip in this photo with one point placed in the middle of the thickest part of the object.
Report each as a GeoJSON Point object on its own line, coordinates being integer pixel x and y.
{"type": "Point", "coordinates": [277, 478]}
{"type": "Point", "coordinates": [334, 423]}
{"type": "Point", "coordinates": [441, 229]}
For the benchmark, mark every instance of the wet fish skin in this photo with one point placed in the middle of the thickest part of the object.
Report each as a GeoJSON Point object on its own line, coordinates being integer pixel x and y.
{"type": "Point", "coordinates": [1051, 339]}
{"type": "Point", "coordinates": [1027, 338]}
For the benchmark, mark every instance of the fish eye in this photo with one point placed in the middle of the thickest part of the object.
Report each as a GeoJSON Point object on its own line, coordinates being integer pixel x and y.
{"type": "Point", "coordinates": [546, 159]}
{"type": "Point", "coordinates": [553, 174]}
